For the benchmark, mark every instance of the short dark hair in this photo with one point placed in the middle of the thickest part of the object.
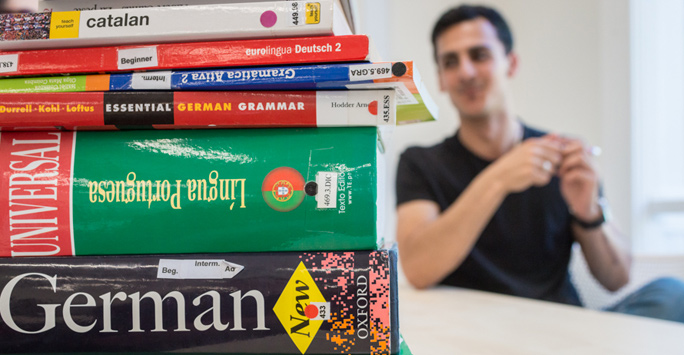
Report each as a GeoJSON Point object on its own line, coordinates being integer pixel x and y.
{"type": "Point", "coordinates": [463, 13]}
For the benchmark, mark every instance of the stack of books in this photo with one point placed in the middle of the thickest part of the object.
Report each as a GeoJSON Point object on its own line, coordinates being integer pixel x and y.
{"type": "Point", "coordinates": [136, 220]}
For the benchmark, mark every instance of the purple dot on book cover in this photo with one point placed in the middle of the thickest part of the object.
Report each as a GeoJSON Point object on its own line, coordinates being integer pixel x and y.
{"type": "Point", "coordinates": [268, 18]}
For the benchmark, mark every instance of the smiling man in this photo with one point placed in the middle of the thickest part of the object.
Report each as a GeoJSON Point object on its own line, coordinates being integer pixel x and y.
{"type": "Point", "coordinates": [498, 206]}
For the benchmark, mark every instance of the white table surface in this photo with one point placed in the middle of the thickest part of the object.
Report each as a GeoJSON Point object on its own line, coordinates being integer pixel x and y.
{"type": "Point", "coordinates": [447, 320]}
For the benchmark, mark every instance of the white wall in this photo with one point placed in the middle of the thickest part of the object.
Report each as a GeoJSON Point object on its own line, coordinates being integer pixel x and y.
{"type": "Point", "coordinates": [573, 77]}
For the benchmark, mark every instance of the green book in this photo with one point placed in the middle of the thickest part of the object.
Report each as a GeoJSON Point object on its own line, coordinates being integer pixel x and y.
{"type": "Point", "coordinates": [189, 191]}
{"type": "Point", "coordinates": [404, 349]}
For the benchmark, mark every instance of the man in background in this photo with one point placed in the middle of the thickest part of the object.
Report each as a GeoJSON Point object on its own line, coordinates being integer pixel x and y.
{"type": "Point", "coordinates": [498, 206]}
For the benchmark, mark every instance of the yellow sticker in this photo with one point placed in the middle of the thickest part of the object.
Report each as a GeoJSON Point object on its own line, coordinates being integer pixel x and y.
{"type": "Point", "coordinates": [64, 24]}
{"type": "Point", "coordinates": [301, 296]}
{"type": "Point", "coordinates": [313, 12]}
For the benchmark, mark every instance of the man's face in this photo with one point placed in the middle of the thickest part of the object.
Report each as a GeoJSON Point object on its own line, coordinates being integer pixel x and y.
{"type": "Point", "coordinates": [474, 68]}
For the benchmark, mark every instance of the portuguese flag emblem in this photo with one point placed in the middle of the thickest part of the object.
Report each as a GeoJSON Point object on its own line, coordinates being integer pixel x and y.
{"type": "Point", "coordinates": [283, 189]}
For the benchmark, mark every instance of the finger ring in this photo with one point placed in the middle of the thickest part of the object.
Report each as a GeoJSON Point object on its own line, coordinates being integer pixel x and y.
{"type": "Point", "coordinates": [547, 165]}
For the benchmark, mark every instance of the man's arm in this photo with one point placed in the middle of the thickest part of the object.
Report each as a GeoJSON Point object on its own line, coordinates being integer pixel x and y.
{"type": "Point", "coordinates": [608, 260]}
{"type": "Point", "coordinates": [432, 245]}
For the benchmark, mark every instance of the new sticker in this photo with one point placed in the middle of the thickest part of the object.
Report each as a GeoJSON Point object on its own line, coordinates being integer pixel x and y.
{"type": "Point", "coordinates": [301, 308]}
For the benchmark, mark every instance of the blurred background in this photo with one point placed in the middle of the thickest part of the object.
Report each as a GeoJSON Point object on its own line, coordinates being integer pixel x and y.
{"type": "Point", "coordinates": [609, 71]}
{"type": "Point", "coordinates": [18, 5]}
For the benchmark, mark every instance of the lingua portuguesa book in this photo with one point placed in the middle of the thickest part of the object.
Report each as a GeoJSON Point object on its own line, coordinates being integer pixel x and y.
{"type": "Point", "coordinates": [190, 191]}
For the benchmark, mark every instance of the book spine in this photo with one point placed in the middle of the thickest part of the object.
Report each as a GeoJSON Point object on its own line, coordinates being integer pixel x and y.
{"type": "Point", "coordinates": [266, 303]}
{"type": "Point", "coordinates": [290, 77]}
{"type": "Point", "coordinates": [71, 83]}
{"type": "Point", "coordinates": [80, 5]}
{"type": "Point", "coordinates": [186, 55]}
{"type": "Point", "coordinates": [197, 109]}
{"type": "Point", "coordinates": [172, 191]}
{"type": "Point", "coordinates": [166, 24]}
{"type": "Point", "coordinates": [413, 101]}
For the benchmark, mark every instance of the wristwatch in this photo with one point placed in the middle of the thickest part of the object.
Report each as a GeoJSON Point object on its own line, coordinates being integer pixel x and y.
{"type": "Point", "coordinates": [602, 218]}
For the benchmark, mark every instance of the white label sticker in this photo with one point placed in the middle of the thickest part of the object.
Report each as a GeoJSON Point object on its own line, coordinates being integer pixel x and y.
{"type": "Point", "coordinates": [322, 310]}
{"type": "Point", "coordinates": [297, 13]}
{"type": "Point", "coordinates": [9, 63]}
{"type": "Point", "coordinates": [327, 189]}
{"type": "Point", "coordinates": [135, 58]}
{"type": "Point", "coordinates": [151, 81]}
{"type": "Point", "coordinates": [370, 71]}
{"type": "Point", "coordinates": [197, 269]}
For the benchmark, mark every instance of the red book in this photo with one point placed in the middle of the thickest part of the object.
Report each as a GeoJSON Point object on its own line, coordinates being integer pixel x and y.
{"type": "Point", "coordinates": [197, 109]}
{"type": "Point", "coordinates": [186, 55]}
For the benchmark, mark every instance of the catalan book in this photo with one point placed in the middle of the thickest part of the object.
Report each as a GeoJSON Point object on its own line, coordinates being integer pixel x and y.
{"type": "Point", "coordinates": [196, 109]}
{"type": "Point", "coordinates": [190, 191]}
{"type": "Point", "coordinates": [276, 51]}
{"type": "Point", "coordinates": [79, 5]}
{"type": "Point", "coordinates": [86, 28]}
{"type": "Point", "coordinates": [337, 302]}
{"type": "Point", "coordinates": [413, 101]}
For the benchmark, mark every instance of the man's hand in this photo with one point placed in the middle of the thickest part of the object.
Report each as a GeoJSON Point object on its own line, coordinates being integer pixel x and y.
{"type": "Point", "coordinates": [531, 163]}
{"type": "Point", "coordinates": [579, 180]}
{"type": "Point", "coordinates": [603, 249]}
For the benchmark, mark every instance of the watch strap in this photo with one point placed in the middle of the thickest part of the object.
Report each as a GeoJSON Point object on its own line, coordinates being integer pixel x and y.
{"type": "Point", "coordinates": [589, 224]}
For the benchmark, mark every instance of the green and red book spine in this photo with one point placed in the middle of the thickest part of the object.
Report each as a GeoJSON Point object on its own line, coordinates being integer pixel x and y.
{"type": "Point", "coordinates": [186, 55]}
{"type": "Point", "coordinates": [197, 109]}
{"type": "Point", "coordinates": [337, 302]}
{"type": "Point", "coordinates": [189, 191]}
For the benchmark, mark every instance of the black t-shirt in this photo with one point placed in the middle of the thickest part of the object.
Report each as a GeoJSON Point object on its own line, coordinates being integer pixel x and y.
{"type": "Point", "coordinates": [525, 248]}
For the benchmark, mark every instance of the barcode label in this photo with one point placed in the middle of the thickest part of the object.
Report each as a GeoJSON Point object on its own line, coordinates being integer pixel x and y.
{"type": "Point", "coordinates": [327, 189]}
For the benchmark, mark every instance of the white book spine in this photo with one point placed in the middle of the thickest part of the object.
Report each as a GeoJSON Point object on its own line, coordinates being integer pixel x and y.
{"type": "Point", "coordinates": [356, 108]}
{"type": "Point", "coordinates": [80, 5]}
{"type": "Point", "coordinates": [186, 23]}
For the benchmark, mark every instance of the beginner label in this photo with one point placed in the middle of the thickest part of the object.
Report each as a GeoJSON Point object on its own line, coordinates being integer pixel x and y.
{"type": "Point", "coordinates": [136, 58]}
